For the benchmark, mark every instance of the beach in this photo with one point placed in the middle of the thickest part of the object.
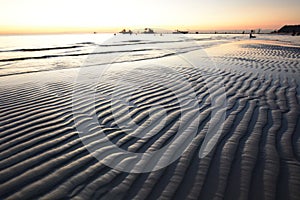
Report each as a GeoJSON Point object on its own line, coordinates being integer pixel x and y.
{"type": "Point", "coordinates": [84, 119]}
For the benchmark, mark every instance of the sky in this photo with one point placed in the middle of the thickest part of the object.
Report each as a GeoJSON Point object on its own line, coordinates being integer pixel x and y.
{"type": "Point", "coordinates": [45, 16]}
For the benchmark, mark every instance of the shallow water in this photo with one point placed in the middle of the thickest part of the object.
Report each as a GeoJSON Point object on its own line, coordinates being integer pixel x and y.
{"type": "Point", "coordinates": [33, 53]}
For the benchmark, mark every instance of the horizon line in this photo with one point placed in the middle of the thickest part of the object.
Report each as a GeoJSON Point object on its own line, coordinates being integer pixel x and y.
{"type": "Point", "coordinates": [82, 30]}
{"type": "Point", "coordinates": [41, 32]}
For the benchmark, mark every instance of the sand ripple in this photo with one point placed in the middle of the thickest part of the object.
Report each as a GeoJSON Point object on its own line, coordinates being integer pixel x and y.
{"type": "Point", "coordinates": [257, 155]}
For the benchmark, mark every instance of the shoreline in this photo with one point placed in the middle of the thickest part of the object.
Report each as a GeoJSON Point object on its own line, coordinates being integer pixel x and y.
{"type": "Point", "coordinates": [256, 156]}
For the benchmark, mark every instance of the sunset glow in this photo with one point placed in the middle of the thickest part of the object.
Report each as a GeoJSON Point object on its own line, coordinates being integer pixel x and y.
{"type": "Point", "coordinates": [43, 16]}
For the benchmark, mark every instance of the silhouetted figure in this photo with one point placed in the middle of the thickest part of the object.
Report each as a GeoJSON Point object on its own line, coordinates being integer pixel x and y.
{"type": "Point", "coordinates": [258, 32]}
{"type": "Point", "coordinates": [252, 36]}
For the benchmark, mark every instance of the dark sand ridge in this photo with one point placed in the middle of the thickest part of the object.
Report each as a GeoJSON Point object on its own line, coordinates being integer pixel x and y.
{"type": "Point", "coordinates": [257, 156]}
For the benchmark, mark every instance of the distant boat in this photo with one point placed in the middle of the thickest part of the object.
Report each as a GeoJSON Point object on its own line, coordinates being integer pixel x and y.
{"type": "Point", "coordinates": [126, 32]}
{"type": "Point", "coordinates": [180, 32]}
{"type": "Point", "coordinates": [148, 30]}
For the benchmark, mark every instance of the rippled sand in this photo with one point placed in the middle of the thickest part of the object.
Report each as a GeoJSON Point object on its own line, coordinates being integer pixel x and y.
{"type": "Point", "coordinates": [257, 155]}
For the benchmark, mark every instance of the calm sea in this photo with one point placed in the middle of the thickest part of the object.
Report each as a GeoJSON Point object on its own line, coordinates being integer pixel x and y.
{"type": "Point", "coordinates": [33, 53]}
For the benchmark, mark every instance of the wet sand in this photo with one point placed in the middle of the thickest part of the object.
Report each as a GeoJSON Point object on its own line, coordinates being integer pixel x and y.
{"type": "Point", "coordinates": [257, 155]}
